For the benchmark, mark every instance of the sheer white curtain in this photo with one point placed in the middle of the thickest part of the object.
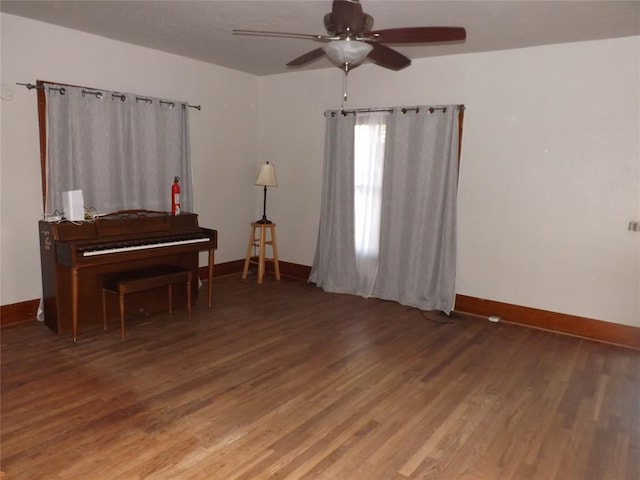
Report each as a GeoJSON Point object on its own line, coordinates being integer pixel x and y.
{"type": "Point", "coordinates": [123, 151]}
{"type": "Point", "coordinates": [416, 222]}
{"type": "Point", "coordinates": [370, 135]}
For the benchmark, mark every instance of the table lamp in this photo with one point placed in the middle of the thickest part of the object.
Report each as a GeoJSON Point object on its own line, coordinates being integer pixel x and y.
{"type": "Point", "coordinates": [266, 178]}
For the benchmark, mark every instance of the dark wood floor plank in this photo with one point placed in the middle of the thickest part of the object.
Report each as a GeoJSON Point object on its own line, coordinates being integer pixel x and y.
{"type": "Point", "coordinates": [284, 381]}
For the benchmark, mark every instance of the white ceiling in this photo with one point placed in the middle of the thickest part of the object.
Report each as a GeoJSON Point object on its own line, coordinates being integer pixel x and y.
{"type": "Point", "coordinates": [202, 29]}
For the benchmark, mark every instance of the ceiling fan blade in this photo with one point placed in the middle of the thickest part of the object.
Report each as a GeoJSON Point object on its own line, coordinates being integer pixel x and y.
{"type": "Point", "coordinates": [262, 33]}
{"type": "Point", "coordinates": [346, 16]}
{"type": "Point", "coordinates": [419, 34]}
{"type": "Point", "coordinates": [387, 57]}
{"type": "Point", "coordinates": [306, 58]}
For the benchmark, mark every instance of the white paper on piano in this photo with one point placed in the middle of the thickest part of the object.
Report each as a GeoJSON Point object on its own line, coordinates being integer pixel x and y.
{"type": "Point", "coordinates": [73, 205]}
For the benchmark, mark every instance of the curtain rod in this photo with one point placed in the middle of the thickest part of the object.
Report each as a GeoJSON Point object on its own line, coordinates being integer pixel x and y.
{"type": "Point", "coordinates": [98, 94]}
{"type": "Point", "coordinates": [390, 109]}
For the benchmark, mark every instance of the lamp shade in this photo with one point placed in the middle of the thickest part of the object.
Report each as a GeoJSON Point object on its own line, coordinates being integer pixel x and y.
{"type": "Point", "coordinates": [267, 176]}
{"type": "Point", "coordinates": [347, 51]}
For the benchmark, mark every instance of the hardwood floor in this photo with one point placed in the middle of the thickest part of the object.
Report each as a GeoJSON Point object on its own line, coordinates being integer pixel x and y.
{"type": "Point", "coordinates": [283, 381]}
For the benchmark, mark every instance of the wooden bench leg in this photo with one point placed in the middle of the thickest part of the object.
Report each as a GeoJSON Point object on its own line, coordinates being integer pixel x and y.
{"type": "Point", "coordinates": [189, 296]}
{"type": "Point", "coordinates": [121, 301]}
{"type": "Point", "coordinates": [104, 309]}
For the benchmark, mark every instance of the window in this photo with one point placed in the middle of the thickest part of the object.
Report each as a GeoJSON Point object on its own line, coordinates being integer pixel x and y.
{"type": "Point", "coordinates": [395, 236]}
{"type": "Point", "coordinates": [370, 136]}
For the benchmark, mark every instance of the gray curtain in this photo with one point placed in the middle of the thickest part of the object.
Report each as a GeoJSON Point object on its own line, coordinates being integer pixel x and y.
{"type": "Point", "coordinates": [417, 256]}
{"type": "Point", "coordinates": [122, 150]}
{"type": "Point", "coordinates": [334, 266]}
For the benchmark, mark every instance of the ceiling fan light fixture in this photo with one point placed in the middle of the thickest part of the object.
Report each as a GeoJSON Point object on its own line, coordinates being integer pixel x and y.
{"type": "Point", "coordinates": [351, 52]}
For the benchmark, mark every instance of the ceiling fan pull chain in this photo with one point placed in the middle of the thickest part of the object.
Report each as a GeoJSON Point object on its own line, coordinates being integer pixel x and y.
{"type": "Point", "coordinates": [344, 87]}
{"type": "Point", "coordinates": [345, 69]}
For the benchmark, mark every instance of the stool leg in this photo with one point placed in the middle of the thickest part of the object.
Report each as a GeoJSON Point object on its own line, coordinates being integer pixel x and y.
{"type": "Point", "coordinates": [274, 246]}
{"type": "Point", "coordinates": [247, 258]}
{"type": "Point", "coordinates": [104, 310]}
{"type": "Point", "coordinates": [261, 254]}
{"type": "Point", "coordinates": [121, 295]}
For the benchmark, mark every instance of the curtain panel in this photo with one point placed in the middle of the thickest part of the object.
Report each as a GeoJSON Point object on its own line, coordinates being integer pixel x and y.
{"type": "Point", "coordinates": [416, 261]}
{"type": "Point", "coordinates": [123, 151]}
{"type": "Point", "coordinates": [334, 266]}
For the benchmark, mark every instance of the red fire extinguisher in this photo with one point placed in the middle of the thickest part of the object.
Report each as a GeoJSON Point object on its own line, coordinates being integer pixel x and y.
{"type": "Point", "coordinates": [175, 197]}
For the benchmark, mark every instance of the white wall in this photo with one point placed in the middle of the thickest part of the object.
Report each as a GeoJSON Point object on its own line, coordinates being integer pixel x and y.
{"type": "Point", "coordinates": [223, 146]}
{"type": "Point", "coordinates": [550, 173]}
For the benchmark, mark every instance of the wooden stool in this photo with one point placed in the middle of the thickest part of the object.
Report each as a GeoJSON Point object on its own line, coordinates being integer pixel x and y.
{"type": "Point", "coordinates": [122, 283]}
{"type": "Point", "coordinates": [261, 242]}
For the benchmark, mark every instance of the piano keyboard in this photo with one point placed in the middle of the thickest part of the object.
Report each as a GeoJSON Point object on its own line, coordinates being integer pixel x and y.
{"type": "Point", "coordinates": [144, 246]}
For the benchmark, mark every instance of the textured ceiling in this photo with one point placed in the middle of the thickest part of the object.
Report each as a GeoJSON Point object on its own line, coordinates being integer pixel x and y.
{"type": "Point", "coordinates": [202, 29]}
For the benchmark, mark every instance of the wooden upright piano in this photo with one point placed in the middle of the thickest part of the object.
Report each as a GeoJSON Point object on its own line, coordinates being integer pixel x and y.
{"type": "Point", "coordinates": [75, 254]}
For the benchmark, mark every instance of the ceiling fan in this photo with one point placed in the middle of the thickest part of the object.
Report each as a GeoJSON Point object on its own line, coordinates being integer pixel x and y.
{"type": "Point", "coordinates": [351, 39]}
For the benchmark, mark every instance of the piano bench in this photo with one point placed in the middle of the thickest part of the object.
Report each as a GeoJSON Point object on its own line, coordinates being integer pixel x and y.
{"type": "Point", "coordinates": [122, 283]}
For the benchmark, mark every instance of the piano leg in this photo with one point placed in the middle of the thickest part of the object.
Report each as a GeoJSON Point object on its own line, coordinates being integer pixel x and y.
{"type": "Point", "coordinates": [210, 286]}
{"type": "Point", "coordinates": [74, 302]}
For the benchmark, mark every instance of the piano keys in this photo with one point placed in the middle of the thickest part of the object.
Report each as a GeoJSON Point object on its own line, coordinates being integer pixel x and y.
{"type": "Point", "coordinates": [106, 249]}
{"type": "Point", "coordinates": [75, 254]}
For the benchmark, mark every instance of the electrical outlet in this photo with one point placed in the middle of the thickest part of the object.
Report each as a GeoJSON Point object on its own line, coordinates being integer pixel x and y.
{"type": "Point", "coordinates": [634, 226]}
